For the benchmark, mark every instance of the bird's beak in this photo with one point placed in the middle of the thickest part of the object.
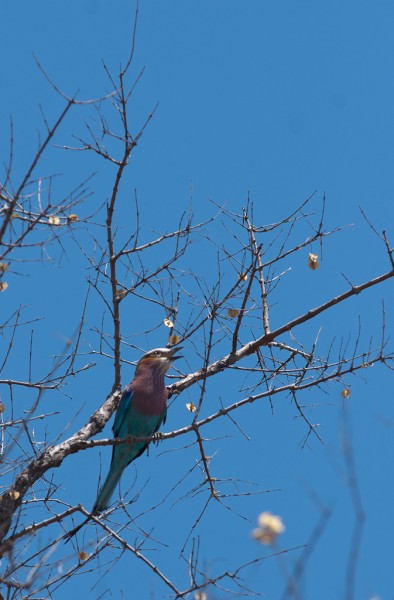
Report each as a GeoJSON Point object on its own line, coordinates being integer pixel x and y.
{"type": "Point", "coordinates": [172, 352]}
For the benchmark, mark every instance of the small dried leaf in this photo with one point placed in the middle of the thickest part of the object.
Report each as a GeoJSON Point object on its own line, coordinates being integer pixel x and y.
{"type": "Point", "coordinates": [83, 555]}
{"type": "Point", "coordinates": [3, 286]}
{"type": "Point", "coordinates": [192, 407]}
{"type": "Point", "coordinates": [168, 322]}
{"type": "Point", "coordinates": [72, 218]}
{"type": "Point", "coordinates": [233, 312]}
{"type": "Point", "coordinates": [121, 293]}
{"type": "Point", "coordinates": [200, 596]}
{"type": "Point", "coordinates": [2, 408]}
{"type": "Point", "coordinates": [3, 267]}
{"type": "Point", "coordinates": [242, 277]}
{"type": "Point", "coordinates": [266, 519]}
{"type": "Point", "coordinates": [345, 393]}
{"type": "Point", "coordinates": [53, 220]}
{"type": "Point", "coordinates": [14, 216]}
{"type": "Point", "coordinates": [270, 526]}
{"type": "Point", "coordinates": [174, 340]}
{"type": "Point", "coordinates": [14, 494]}
{"type": "Point", "coordinates": [313, 263]}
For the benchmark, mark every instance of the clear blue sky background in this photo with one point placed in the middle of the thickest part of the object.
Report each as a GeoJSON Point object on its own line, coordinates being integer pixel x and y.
{"type": "Point", "coordinates": [276, 98]}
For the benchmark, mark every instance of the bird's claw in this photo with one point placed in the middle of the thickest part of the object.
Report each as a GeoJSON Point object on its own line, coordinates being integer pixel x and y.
{"type": "Point", "coordinates": [157, 436]}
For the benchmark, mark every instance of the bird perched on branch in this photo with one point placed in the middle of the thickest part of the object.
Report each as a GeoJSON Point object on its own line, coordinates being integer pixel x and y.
{"type": "Point", "coordinates": [142, 409]}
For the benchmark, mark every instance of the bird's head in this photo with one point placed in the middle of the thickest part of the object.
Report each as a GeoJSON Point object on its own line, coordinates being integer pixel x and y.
{"type": "Point", "coordinates": [160, 358]}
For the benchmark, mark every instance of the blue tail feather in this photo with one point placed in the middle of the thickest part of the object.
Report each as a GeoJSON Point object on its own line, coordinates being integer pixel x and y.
{"type": "Point", "coordinates": [104, 496]}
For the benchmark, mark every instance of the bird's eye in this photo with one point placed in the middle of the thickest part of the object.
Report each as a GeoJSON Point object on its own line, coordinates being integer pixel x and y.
{"type": "Point", "coordinates": [156, 353]}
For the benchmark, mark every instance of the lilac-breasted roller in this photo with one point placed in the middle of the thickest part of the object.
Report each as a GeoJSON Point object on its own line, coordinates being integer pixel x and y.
{"type": "Point", "coordinates": [142, 409]}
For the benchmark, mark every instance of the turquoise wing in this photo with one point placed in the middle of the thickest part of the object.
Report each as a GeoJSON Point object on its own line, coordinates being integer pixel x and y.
{"type": "Point", "coordinates": [127, 421]}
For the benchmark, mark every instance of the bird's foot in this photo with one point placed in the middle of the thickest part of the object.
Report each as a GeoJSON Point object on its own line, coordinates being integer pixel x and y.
{"type": "Point", "coordinates": [157, 437]}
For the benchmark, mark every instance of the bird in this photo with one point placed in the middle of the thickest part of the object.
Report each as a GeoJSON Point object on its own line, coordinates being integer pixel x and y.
{"type": "Point", "coordinates": [142, 409]}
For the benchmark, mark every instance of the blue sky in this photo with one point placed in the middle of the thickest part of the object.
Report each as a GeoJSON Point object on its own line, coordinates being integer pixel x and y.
{"type": "Point", "coordinates": [275, 99]}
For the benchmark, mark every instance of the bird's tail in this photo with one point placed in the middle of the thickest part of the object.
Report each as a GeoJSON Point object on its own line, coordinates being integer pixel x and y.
{"type": "Point", "coordinates": [104, 496]}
